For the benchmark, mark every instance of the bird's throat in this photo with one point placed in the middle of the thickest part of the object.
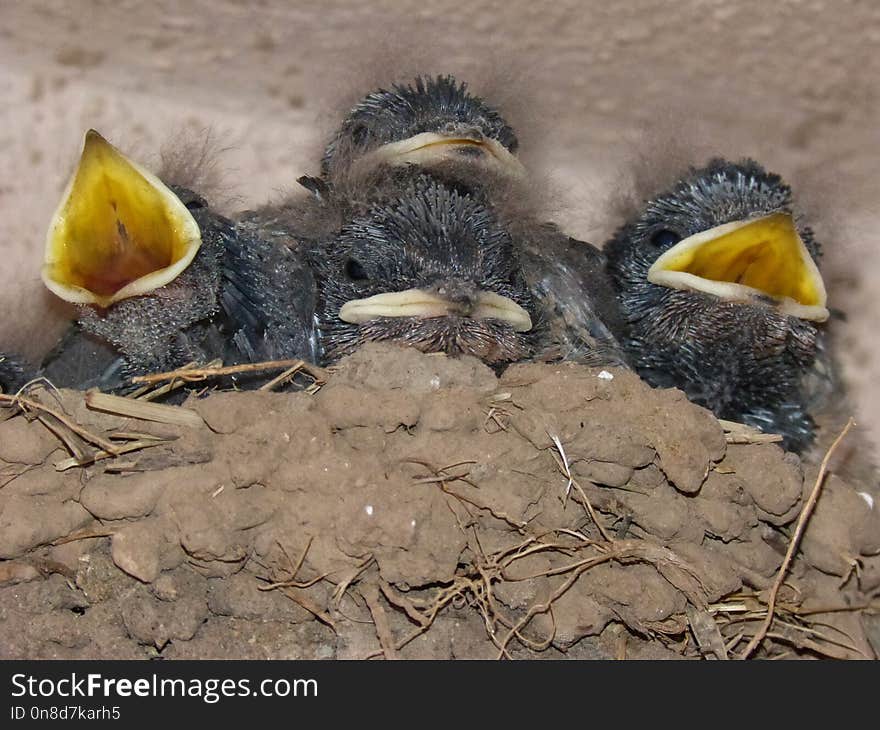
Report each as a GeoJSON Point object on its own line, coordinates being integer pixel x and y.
{"type": "Point", "coordinates": [763, 260]}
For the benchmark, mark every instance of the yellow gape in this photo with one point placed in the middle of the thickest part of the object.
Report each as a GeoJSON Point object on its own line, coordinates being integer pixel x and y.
{"type": "Point", "coordinates": [748, 261]}
{"type": "Point", "coordinates": [119, 231]}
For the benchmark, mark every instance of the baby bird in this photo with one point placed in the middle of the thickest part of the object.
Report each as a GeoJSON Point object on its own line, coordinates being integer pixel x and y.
{"type": "Point", "coordinates": [721, 297]}
{"type": "Point", "coordinates": [144, 262]}
{"type": "Point", "coordinates": [427, 123]}
{"type": "Point", "coordinates": [435, 126]}
{"type": "Point", "coordinates": [429, 267]}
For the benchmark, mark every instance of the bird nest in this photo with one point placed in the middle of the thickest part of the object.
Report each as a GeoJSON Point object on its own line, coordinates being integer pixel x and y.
{"type": "Point", "coordinates": [410, 505]}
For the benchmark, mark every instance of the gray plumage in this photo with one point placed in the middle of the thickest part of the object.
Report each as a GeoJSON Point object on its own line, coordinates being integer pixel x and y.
{"type": "Point", "coordinates": [568, 280]}
{"type": "Point", "coordinates": [437, 104]}
{"type": "Point", "coordinates": [744, 361]}
{"type": "Point", "coordinates": [432, 237]}
{"type": "Point", "coordinates": [13, 373]}
{"type": "Point", "coordinates": [270, 284]}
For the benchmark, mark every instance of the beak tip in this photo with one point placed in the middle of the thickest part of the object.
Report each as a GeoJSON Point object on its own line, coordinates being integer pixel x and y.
{"type": "Point", "coordinates": [95, 140]}
{"type": "Point", "coordinates": [345, 312]}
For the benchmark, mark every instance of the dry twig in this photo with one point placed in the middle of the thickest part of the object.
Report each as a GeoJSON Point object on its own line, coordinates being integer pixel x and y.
{"type": "Point", "coordinates": [190, 375]}
{"type": "Point", "coordinates": [380, 620]}
{"type": "Point", "coordinates": [795, 542]}
{"type": "Point", "coordinates": [26, 404]}
{"type": "Point", "coordinates": [143, 410]}
{"type": "Point", "coordinates": [740, 433]}
{"type": "Point", "coordinates": [564, 466]}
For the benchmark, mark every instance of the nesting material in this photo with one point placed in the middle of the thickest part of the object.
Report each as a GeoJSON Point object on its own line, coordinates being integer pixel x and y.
{"type": "Point", "coordinates": [420, 506]}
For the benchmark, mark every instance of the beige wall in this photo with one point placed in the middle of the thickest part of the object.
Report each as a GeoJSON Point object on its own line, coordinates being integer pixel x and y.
{"type": "Point", "coordinates": [595, 87]}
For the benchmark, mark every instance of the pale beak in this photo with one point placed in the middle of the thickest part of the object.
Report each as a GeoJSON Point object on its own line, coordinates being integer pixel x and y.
{"type": "Point", "coordinates": [423, 305]}
{"type": "Point", "coordinates": [118, 232]}
{"type": "Point", "coordinates": [429, 148]}
{"type": "Point", "coordinates": [763, 260]}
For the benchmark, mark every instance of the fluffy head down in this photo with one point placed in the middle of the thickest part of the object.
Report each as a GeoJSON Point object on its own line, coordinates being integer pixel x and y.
{"type": "Point", "coordinates": [435, 239]}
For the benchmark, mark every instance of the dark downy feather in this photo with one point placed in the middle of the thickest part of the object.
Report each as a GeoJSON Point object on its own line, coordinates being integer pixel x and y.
{"type": "Point", "coordinates": [430, 104]}
{"type": "Point", "coordinates": [13, 373]}
{"type": "Point", "coordinates": [745, 362]}
{"type": "Point", "coordinates": [425, 235]}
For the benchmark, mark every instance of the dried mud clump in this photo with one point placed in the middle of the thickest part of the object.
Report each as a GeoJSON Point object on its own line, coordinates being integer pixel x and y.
{"type": "Point", "coordinates": [420, 506]}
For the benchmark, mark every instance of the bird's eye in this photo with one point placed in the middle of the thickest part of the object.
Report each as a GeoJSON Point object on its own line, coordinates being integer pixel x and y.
{"type": "Point", "coordinates": [191, 200]}
{"type": "Point", "coordinates": [359, 134]}
{"type": "Point", "coordinates": [355, 271]}
{"type": "Point", "coordinates": [664, 238]}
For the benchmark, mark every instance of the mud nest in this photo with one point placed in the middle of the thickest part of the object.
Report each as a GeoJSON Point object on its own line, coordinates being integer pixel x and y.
{"type": "Point", "coordinates": [420, 506]}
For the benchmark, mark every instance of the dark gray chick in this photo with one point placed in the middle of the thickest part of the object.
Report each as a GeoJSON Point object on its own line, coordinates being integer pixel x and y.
{"type": "Point", "coordinates": [721, 297]}
{"type": "Point", "coordinates": [148, 266]}
{"type": "Point", "coordinates": [435, 252]}
{"type": "Point", "coordinates": [429, 267]}
{"type": "Point", "coordinates": [432, 121]}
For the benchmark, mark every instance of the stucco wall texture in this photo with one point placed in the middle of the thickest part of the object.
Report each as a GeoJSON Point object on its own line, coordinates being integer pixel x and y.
{"type": "Point", "coordinates": [600, 91]}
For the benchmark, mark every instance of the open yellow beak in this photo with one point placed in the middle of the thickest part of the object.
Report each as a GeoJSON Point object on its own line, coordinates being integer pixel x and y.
{"type": "Point", "coordinates": [118, 232]}
{"type": "Point", "coordinates": [424, 305]}
{"type": "Point", "coordinates": [429, 148]}
{"type": "Point", "coordinates": [763, 260]}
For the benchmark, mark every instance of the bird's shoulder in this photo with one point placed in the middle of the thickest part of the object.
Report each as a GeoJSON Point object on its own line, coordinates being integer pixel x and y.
{"type": "Point", "coordinates": [567, 277]}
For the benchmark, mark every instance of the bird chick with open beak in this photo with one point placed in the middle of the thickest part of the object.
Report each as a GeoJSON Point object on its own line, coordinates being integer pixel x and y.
{"type": "Point", "coordinates": [146, 264]}
{"type": "Point", "coordinates": [430, 123]}
{"type": "Point", "coordinates": [721, 297]}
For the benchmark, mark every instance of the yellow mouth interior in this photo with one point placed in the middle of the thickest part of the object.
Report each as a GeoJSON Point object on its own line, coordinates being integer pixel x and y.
{"type": "Point", "coordinates": [745, 260]}
{"type": "Point", "coordinates": [118, 231]}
